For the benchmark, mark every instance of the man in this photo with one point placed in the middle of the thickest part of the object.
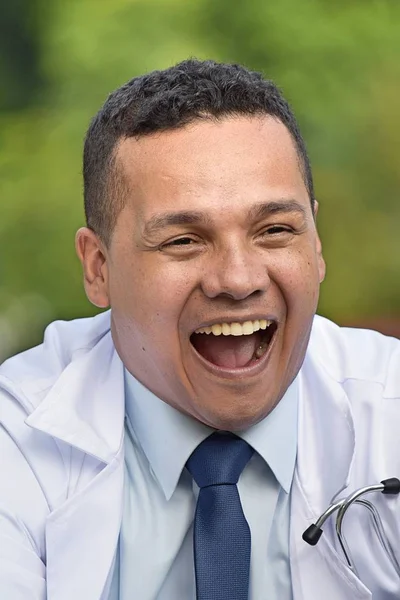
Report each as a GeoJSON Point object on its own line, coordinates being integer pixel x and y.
{"type": "Point", "coordinates": [178, 446]}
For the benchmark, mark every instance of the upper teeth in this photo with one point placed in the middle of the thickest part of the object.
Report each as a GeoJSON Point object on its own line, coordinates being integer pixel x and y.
{"type": "Point", "coordinates": [246, 328]}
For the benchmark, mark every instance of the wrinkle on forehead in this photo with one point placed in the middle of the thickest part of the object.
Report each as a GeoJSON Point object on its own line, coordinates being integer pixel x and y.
{"type": "Point", "coordinates": [219, 160]}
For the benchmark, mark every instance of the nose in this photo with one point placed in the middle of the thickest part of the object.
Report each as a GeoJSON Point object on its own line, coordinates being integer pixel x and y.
{"type": "Point", "coordinates": [237, 272]}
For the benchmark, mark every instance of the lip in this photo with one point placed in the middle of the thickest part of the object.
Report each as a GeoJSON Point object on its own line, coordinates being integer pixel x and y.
{"type": "Point", "coordinates": [242, 372]}
{"type": "Point", "coordinates": [235, 319]}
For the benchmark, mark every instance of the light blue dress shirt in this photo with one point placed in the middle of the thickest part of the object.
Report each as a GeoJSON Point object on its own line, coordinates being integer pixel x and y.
{"type": "Point", "coordinates": [154, 560]}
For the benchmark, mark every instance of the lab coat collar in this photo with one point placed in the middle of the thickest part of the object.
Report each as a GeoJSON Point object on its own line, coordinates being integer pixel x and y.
{"type": "Point", "coordinates": [325, 457]}
{"type": "Point", "coordinates": [82, 404]}
{"type": "Point", "coordinates": [326, 443]}
{"type": "Point", "coordinates": [85, 406]}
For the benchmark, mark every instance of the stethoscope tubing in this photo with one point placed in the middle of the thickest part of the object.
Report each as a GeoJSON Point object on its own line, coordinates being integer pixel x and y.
{"type": "Point", "coordinates": [343, 508]}
{"type": "Point", "coordinates": [380, 533]}
{"type": "Point", "coordinates": [314, 531]}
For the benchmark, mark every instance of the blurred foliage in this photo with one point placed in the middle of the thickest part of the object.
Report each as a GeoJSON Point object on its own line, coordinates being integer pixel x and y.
{"type": "Point", "coordinates": [337, 63]}
{"type": "Point", "coordinates": [20, 74]}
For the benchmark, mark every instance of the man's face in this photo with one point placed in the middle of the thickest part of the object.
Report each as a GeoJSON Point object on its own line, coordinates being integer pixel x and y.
{"type": "Point", "coordinates": [217, 229]}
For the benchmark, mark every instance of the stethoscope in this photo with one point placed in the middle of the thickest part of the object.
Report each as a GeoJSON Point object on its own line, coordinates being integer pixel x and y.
{"type": "Point", "coordinates": [313, 533]}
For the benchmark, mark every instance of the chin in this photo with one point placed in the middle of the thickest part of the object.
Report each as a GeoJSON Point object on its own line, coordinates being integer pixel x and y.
{"type": "Point", "coordinates": [234, 419]}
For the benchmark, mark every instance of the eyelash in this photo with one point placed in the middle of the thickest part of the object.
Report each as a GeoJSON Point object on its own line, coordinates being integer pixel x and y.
{"type": "Point", "coordinates": [276, 229]}
{"type": "Point", "coordinates": [176, 242]}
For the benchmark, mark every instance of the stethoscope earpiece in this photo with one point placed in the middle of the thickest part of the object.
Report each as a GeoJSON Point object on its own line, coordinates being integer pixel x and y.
{"type": "Point", "coordinates": [391, 486]}
{"type": "Point", "coordinates": [312, 535]}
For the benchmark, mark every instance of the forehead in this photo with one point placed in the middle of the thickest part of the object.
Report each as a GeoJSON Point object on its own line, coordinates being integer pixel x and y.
{"type": "Point", "coordinates": [234, 161]}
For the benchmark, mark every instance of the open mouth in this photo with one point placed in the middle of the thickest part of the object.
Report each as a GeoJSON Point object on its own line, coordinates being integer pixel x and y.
{"type": "Point", "coordinates": [234, 345]}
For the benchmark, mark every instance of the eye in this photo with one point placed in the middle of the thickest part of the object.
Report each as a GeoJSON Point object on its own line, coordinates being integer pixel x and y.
{"type": "Point", "coordinates": [183, 245]}
{"type": "Point", "coordinates": [277, 236]}
{"type": "Point", "coordinates": [276, 229]}
{"type": "Point", "coordinates": [184, 241]}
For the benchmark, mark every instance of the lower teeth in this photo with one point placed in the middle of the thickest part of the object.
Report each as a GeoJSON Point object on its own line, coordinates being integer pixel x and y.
{"type": "Point", "coordinates": [261, 350]}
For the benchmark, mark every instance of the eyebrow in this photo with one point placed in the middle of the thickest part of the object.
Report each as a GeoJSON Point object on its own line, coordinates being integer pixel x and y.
{"type": "Point", "coordinates": [266, 209]}
{"type": "Point", "coordinates": [193, 217]}
{"type": "Point", "coordinates": [187, 217]}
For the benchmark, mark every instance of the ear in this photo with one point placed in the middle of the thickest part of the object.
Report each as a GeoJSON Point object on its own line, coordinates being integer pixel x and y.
{"type": "Point", "coordinates": [321, 261]}
{"type": "Point", "coordinates": [93, 257]}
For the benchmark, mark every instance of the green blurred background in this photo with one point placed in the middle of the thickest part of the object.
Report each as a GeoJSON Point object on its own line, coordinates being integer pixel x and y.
{"type": "Point", "coordinates": [338, 63]}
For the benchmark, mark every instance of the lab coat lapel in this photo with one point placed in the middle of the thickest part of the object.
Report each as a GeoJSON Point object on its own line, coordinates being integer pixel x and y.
{"type": "Point", "coordinates": [82, 537]}
{"type": "Point", "coordinates": [85, 409]}
{"type": "Point", "coordinates": [326, 443]}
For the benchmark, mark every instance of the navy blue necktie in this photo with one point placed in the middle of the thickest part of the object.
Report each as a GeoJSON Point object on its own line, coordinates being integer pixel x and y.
{"type": "Point", "coordinates": [222, 542]}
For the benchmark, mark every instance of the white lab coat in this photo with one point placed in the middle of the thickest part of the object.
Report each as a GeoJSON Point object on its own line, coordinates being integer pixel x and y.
{"type": "Point", "coordinates": [61, 463]}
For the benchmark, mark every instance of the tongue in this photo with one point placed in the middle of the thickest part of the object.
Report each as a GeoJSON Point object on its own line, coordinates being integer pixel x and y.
{"type": "Point", "coordinates": [228, 351]}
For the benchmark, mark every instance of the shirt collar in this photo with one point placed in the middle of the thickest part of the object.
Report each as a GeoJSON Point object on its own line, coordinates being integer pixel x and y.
{"type": "Point", "coordinates": [168, 437]}
{"type": "Point", "coordinates": [275, 437]}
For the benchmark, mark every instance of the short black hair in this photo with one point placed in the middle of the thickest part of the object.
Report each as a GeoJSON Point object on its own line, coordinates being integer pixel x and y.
{"type": "Point", "coordinates": [170, 99]}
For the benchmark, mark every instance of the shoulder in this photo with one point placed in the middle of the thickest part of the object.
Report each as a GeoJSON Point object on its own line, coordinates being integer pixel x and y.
{"type": "Point", "coordinates": [29, 375]}
{"type": "Point", "coordinates": [348, 354]}
{"type": "Point", "coordinates": [25, 381]}
{"type": "Point", "coordinates": [363, 369]}
{"type": "Point", "coordinates": [38, 466]}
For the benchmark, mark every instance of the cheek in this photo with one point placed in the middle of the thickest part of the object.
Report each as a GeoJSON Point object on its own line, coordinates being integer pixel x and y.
{"type": "Point", "coordinates": [299, 286]}
{"type": "Point", "coordinates": [150, 296]}
{"type": "Point", "coordinates": [298, 279]}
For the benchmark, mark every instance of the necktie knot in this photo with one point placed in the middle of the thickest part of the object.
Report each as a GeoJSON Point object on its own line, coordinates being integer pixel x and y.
{"type": "Point", "coordinates": [219, 459]}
